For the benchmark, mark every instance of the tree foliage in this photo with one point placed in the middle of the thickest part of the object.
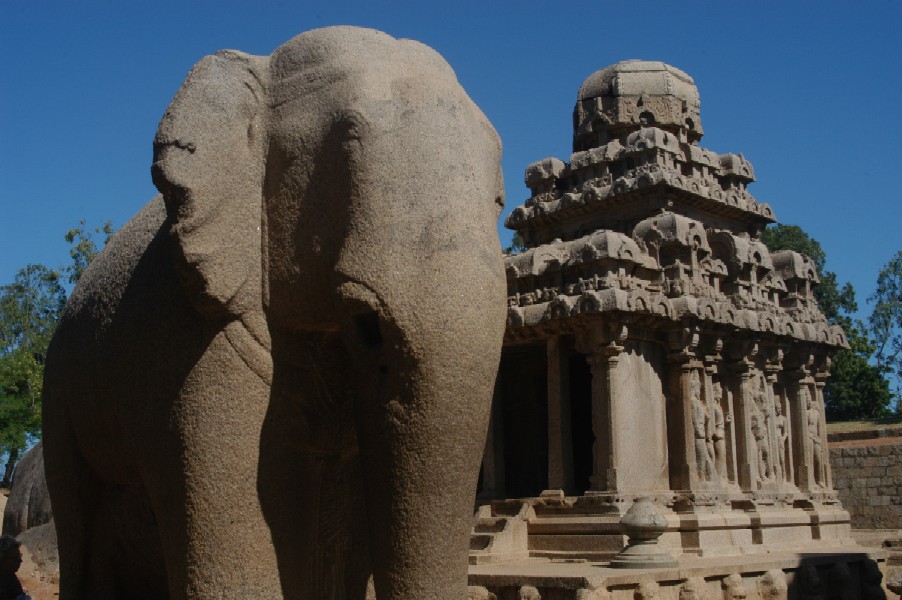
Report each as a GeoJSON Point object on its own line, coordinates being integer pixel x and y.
{"type": "Point", "coordinates": [84, 248]}
{"type": "Point", "coordinates": [856, 389]}
{"type": "Point", "coordinates": [517, 245]}
{"type": "Point", "coordinates": [886, 319]}
{"type": "Point", "coordinates": [30, 308]}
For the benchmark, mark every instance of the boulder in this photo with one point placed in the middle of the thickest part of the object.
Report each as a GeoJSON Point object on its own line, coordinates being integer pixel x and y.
{"type": "Point", "coordinates": [29, 503]}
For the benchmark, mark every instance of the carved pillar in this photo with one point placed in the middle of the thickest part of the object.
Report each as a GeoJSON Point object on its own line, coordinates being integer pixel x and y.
{"type": "Point", "coordinates": [783, 402]}
{"type": "Point", "coordinates": [560, 443]}
{"type": "Point", "coordinates": [603, 362]}
{"type": "Point", "coordinates": [776, 454]}
{"type": "Point", "coordinates": [827, 474]}
{"type": "Point", "coordinates": [746, 449]}
{"type": "Point", "coordinates": [717, 423]}
{"type": "Point", "coordinates": [798, 390]}
{"type": "Point", "coordinates": [687, 449]}
{"type": "Point", "coordinates": [732, 436]}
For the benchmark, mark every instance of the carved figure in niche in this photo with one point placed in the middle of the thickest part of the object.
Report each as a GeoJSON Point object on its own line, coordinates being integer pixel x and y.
{"type": "Point", "coordinates": [703, 461]}
{"type": "Point", "coordinates": [719, 434]}
{"type": "Point", "coordinates": [733, 588]}
{"type": "Point", "coordinates": [693, 589]}
{"type": "Point", "coordinates": [647, 591]}
{"type": "Point", "coordinates": [781, 427]}
{"type": "Point", "coordinates": [814, 435]}
{"type": "Point", "coordinates": [772, 585]}
{"type": "Point", "coordinates": [756, 424]}
{"type": "Point", "coordinates": [759, 431]}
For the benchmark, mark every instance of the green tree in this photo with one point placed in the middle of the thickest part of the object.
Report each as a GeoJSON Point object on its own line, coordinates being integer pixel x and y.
{"type": "Point", "coordinates": [517, 245]}
{"type": "Point", "coordinates": [84, 249]}
{"type": "Point", "coordinates": [29, 310]}
{"type": "Point", "coordinates": [886, 319]}
{"type": "Point", "coordinates": [856, 389]}
{"type": "Point", "coordinates": [30, 307]}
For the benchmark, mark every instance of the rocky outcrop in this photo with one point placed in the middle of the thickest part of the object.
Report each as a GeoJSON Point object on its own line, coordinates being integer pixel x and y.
{"type": "Point", "coordinates": [29, 502]}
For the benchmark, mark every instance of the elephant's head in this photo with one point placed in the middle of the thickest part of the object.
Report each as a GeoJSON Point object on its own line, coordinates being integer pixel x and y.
{"type": "Point", "coordinates": [345, 157]}
{"type": "Point", "coordinates": [347, 185]}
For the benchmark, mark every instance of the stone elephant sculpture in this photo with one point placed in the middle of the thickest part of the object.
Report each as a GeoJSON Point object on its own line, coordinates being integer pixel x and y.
{"type": "Point", "coordinates": [276, 378]}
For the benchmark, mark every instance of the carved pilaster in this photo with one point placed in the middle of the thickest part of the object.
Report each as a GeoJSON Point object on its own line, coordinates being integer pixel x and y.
{"type": "Point", "coordinates": [746, 448]}
{"type": "Point", "coordinates": [805, 419]}
{"type": "Point", "coordinates": [825, 476]}
{"type": "Point", "coordinates": [560, 442]}
{"type": "Point", "coordinates": [719, 424]}
{"type": "Point", "coordinates": [603, 362]}
{"type": "Point", "coordinates": [690, 465]}
{"type": "Point", "coordinates": [775, 456]}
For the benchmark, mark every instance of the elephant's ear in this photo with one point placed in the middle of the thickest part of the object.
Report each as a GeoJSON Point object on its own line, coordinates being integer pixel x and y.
{"type": "Point", "coordinates": [209, 155]}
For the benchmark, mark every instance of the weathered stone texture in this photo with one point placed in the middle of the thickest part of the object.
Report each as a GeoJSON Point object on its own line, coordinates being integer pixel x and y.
{"type": "Point", "coordinates": [869, 482]}
{"type": "Point", "coordinates": [276, 378]}
{"type": "Point", "coordinates": [681, 359]}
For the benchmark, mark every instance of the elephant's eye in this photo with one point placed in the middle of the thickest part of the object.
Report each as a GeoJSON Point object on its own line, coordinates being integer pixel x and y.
{"type": "Point", "coordinates": [368, 329]}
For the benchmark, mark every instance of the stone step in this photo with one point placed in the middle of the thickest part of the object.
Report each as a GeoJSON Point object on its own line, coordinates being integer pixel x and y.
{"type": "Point", "coordinates": [490, 524]}
{"type": "Point", "coordinates": [584, 546]}
{"type": "Point", "coordinates": [506, 508]}
{"type": "Point", "coordinates": [574, 525]}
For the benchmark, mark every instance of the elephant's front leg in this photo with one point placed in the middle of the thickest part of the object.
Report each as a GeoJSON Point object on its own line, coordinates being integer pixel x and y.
{"type": "Point", "coordinates": [421, 420]}
{"type": "Point", "coordinates": [216, 542]}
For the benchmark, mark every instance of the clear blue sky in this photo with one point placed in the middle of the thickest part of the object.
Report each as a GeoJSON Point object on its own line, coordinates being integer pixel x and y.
{"type": "Point", "coordinates": [808, 91]}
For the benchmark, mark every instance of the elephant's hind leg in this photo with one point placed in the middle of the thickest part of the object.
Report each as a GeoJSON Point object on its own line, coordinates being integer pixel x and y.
{"type": "Point", "coordinates": [96, 560]}
{"type": "Point", "coordinates": [135, 555]}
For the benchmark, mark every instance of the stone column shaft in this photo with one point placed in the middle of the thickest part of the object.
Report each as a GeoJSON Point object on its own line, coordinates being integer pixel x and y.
{"type": "Point", "coordinates": [820, 382]}
{"type": "Point", "coordinates": [681, 428]}
{"type": "Point", "coordinates": [604, 408]}
{"type": "Point", "coordinates": [774, 450]}
{"type": "Point", "coordinates": [797, 385]}
{"type": "Point", "coordinates": [560, 439]}
{"type": "Point", "coordinates": [746, 453]}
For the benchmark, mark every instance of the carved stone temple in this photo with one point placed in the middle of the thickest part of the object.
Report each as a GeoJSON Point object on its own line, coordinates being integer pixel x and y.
{"type": "Point", "coordinates": [655, 347]}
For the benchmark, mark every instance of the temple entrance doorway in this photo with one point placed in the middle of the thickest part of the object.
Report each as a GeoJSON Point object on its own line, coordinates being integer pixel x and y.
{"type": "Point", "coordinates": [581, 422]}
{"type": "Point", "coordinates": [522, 390]}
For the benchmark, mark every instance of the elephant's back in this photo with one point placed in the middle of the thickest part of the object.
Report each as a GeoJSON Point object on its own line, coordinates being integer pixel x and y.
{"type": "Point", "coordinates": [102, 285]}
{"type": "Point", "coordinates": [107, 356]}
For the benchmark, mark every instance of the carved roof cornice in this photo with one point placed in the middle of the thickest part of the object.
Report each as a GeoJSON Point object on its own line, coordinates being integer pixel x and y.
{"type": "Point", "coordinates": [604, 181]}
